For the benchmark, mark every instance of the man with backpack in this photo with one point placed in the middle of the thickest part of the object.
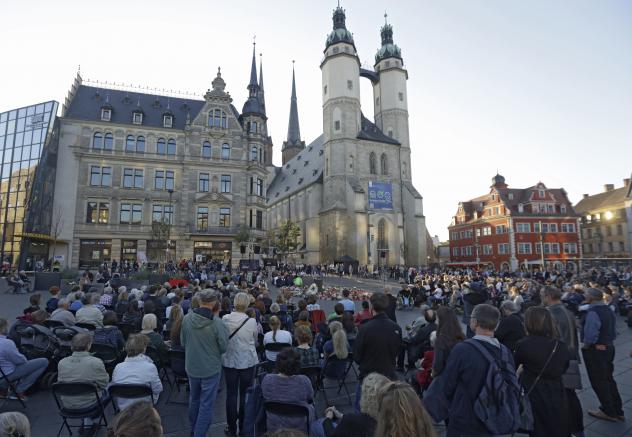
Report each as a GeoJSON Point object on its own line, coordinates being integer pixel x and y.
{"type": "Point", "coordinates": [480, 383]}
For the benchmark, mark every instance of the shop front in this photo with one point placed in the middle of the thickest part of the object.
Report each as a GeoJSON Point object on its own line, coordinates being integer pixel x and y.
{"type": "Point", "coordinates": [159, 250]}
{"type": "Point", "coordinates": [93, 253]}
{"type": "Point", "coordinates": [129, 249]}
{"type": "Point", "coordinates": [206, 251]}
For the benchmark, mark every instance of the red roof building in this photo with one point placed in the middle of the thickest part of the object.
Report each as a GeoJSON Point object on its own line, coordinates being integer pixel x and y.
{"type": "Point", "coordinates": [511, 229]}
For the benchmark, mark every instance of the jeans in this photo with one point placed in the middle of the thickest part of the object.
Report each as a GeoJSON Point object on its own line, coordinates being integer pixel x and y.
{"type": "Point", "coordinates": [599, 365]}
{"type": "Point", "coordinates": [317, 429]}
{"type": "Point", "coordinates": [27, 373]}
{"type": "Point", "coordinates": [202, 394]}
{"type": "Point", "coordinates": [237, 381]}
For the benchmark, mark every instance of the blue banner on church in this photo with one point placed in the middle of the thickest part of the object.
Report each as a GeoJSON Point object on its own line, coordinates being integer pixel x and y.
{"type": "Point", "coordinates": [380, 195]}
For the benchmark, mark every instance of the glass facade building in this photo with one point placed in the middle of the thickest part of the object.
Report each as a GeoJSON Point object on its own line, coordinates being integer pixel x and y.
{"type": "Point", "coordinates": [27, 183]}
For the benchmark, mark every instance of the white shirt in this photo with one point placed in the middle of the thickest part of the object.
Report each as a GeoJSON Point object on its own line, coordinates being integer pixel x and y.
{"type": "Point", "coordinates": [137, 370]}
{"type": "Point", "coordinates": [348, 305]}
{"type": "Point", "coordinates": [241, 352]}
{"type": "Point", "coordinates": [282, 336]}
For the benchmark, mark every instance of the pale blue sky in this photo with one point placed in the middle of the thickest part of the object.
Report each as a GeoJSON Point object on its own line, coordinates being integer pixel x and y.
{"type": "Point", "coordinates": [539, 89]}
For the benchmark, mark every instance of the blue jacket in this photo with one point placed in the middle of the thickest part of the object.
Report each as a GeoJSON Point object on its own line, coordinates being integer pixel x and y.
{"type": "Point", "coordinates": [463, 378]}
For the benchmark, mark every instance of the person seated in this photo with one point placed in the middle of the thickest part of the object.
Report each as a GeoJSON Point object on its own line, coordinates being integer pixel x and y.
{"type": "Point", "coordinates": [14, 424]}
{"type": "Point", "coordinates": [417, 341]}
{"type": "Point", "coordinates": [107, 298]}
{"type": "Point", "coordinates": [401, 412]}
{"type": "Point", "coordinates": [276, 335]}
{"type": "Point", "coordinates": [363, 315]}
{"type": "Point", "coordinates": [336, 347]}
{"type": "Point", "coordinates": [34, 303]}
{"type": "Point", "coordinates": [149, 329]}
{"type": "Point", "coordinates": [110, 333]}
{"type": "Point", "coordinates": [511, 327]}
{"type": "Point", "coordinates": [83, 367]}
{"type": "Point", "coordinates": [348, 304]}
{"type": "Point", "coordinates": [139, 419]}
{"type": "Point", "coordinates": [310, 357]}
{"type": "Point", "coordinates": [137, 368]}
{"type": "Point", "coordinates": [303, 320]}
{"type": "Point", "coordinates": [89, 313]}
{"type": "Point", "coordinates": [16, 367]}
{"type": "Point", "coordinates": [288, 385]}
{"type": "Point", "coordinates": [51, 304]}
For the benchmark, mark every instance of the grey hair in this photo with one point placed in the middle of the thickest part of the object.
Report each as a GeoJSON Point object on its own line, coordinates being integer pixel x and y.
{"type": "Point", "coordinates": [14, 423]}
{"type": "Point", "coordinates": [509, 306]}
{"type": "Point", "coordinates": [81, 342]}
{"type": "Point", "coordinates": [122, 289]}
{"type": "Point", "coordinates": [63, 302]}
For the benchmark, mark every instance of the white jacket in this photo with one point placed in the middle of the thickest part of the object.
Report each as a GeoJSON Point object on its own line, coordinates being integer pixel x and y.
{"type": "Point", "coordinates": [241, 352]}
{"type": "Point", "coordinates": [137, 370]}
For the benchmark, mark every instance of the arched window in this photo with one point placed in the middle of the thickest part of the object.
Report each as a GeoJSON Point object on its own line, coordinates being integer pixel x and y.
{"type": "Point", "coordinates": [260, 156]}
{"type": "Point", "coordinates": [382, 242]}
{"type": "Point", "coordinates": [108, 143]}
{"type": "Point", "coordinates": [97, 140]}
{"type": "Point", "coordinates": [140, 144]}
{"type": "Point", "coordinates": [161, 146]}
{"type": "Point", "coordinates": [253, 153]}
{"type": "Point", "coordinates": [171, 147]}
{"type": "Point", "coordinates": [225, 151]}
{"type": "Point", "coordinates": [383, 164]}
{"type": "Point", "coordinates": [206, 149]}
{"type": "Point", "coordinates": [130, 144]}
{"type": "Point", "coordinates": [372, 163]}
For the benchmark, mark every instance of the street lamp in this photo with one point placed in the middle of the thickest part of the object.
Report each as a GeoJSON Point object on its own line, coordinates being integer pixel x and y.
{"type": "Point", "coordinates": [542, 245]}
{"type": "Point", "coordinates": [170, 191]}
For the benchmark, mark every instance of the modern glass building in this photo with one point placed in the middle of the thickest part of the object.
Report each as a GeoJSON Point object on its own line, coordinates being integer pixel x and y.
{"type": "Point", "coordinates": [28, 168]}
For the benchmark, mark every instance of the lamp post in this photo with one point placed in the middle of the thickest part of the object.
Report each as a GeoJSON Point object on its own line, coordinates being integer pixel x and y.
{"type": "Point", "coordinates": [170, 191]}
{"type": "Point", "coordinates": [542, 246]}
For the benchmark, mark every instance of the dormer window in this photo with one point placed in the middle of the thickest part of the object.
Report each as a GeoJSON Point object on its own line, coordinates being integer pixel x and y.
{"type": "Point", "coordinates": [520, 207]}
{"type": "Point", "coordinates": [106, 114]}
{"type": "Point", "coordinates": [563, 209]}
{"type": "Point", "coordinates": [167, 120]}
{"type": "Point", "coordinates": [137, 117]}
{"type": "Point", "coordinates": [510, 196]}
{"type": "Point", "coordinates": [541, 193]}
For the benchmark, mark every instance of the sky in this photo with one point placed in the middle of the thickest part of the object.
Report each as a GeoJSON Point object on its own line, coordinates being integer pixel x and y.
{"type": "Point", "coordinates": [537, 90]}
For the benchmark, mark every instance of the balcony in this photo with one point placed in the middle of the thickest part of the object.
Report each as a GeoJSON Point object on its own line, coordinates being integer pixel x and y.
{"type": "Point", "coordinates": [213, 230]}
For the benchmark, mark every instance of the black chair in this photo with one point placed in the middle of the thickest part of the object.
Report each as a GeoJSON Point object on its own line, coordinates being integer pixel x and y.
{"type": "Point", "coordinates": [287, 409]}
{"type": "Point", "coordinates": [50, 324]}
{"type": "Point", "coordinates": [315, 375]}
{"type": "Point", "coordinates": [178, 370]}
{"type": "Point", "coordinates": [340, 376]}
{"type": "Point", "coordinates": [88, 326]}
{"type": "Point", "coordinates": [129, 391]}
{"type": "Point", "coordinates": [153, 353]}
{"type": "Point", "coordinates": [65, 335]}
{"type": "Point", "coordinates": [11, 387]}
{"type": "Point", "coordinates": [127, 329]}
{"type": "Point", "coordinates": [72, 389]}
{"type": "Point", "coordinates": [106, 353]}
{"type": "Point", "coordinates": [276, 347]}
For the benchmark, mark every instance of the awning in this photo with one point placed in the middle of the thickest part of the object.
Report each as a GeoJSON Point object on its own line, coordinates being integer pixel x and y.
{"type": "Point", "coordinates": [36, 236]}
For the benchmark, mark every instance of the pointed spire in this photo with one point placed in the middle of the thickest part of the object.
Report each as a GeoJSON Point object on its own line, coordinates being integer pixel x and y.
{"type": "Point", "coordinates": [252, 86]}
{"type": "Point", "coordinates": [262, 98]}
{"type": "Point", "coordinates": [293, 128]}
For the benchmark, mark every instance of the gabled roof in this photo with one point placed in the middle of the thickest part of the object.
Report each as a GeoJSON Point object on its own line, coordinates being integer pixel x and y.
{"type": "Point", "coordinates": [371, 132]}
{"type": "Point", "coordinates": [304, 169]}
{"type": "Point", "coordinates": [608, 199]}
{"type": "Point", "coordinates": [88, 101]}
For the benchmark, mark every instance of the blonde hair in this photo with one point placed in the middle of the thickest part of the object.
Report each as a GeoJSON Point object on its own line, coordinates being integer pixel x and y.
{"type": "Point", "coordinates": [339, 340]}
{"type": "Point", "coordinates": [401, 413]}
{"type": "Point", "coordinates": [241, 302]}
{"type": "Point", "coordinates": [275, 324]}
{"type": "Point", "coordinates": [371, 385]}
{"type": "Point", "coordinates": [150, 322]}
{"type": "Point", "coordinates": [14, 423]}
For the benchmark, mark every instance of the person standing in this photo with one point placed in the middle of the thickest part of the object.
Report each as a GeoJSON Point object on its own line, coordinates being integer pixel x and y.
{"type": "Point", "coordinates": [567, 332]}
{"type": "Point", "coordinates": [511, 327]}
{"type": "Point", "coordinates": [204, 338]}
{"type": "Point", "coordinates": [239, 360]}
{"type": "Point", "coordinates": [598, 335]}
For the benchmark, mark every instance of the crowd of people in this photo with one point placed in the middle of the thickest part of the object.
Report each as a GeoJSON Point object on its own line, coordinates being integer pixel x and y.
{"type": "Point", "coordinates": [514, 367]}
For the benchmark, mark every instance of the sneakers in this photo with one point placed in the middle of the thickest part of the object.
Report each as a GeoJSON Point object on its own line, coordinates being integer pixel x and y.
{"type": "Point", "coordinates": [18, 396]}
{"type": "Point", "coordinates": [598, 414]}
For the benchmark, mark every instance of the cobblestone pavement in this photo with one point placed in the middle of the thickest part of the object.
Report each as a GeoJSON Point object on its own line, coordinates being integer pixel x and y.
{"type": "Point", "coordinates": [45, 421]}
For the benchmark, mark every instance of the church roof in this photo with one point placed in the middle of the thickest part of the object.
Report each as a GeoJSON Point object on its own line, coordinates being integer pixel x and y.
{"type": "Point", "coordinates": [88, 101]}
{"type": "Point", "coordinates": [339, 32]}
{"type": "Point", "coordinates": [304, 169]}
{"type": "Point", "coordinates": [389, 49]}
{"type": "Point", "coordinates": [371, 132]}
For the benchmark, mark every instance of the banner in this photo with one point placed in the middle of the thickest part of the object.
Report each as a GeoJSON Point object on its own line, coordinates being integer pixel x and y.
{"type": "Point", "coordinates": [380, 195]}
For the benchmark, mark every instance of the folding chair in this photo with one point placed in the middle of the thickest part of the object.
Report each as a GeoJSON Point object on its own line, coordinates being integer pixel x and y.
{"type": "Point", "coordinates": [129, 391]}
{"type": "Point", "coordinates": [153, 353]}
{"type": "Point", "coordinates": [72, 389]}
{"type": "Point", "coordinates": [273, 347]}
{"type": "Point", "coordinates": [88, 326]}
{"type": "Point", "coordinates": [178, 370]}
{"type": "Point", "coordinates": [50, 324]}
{"type": "Point", "coordinates": [315, 375]}
{"type": "Point", "coordinates": [11, 387]}
{"type": "Point", "coordinates": [337, 369]}
{"type": "Point", "coordinates": [287, 409]}
{"type": "Point", "coordinates": [127, 329]}
{"type": "Point", "coordinates": [107, 353]}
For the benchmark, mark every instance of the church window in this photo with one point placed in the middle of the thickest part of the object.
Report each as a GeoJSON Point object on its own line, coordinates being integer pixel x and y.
{"type": "Point", "coordinates": [253, 127]}
{"type": "Point", "coordinates": [382, 243]}
{"type": "Point", "coordinates": [225, 151]}
{"type": "Point", "coordinates": [401, 97]}
{"type": "Point", "coordinates": [337, 125]}
{"type": "Point", "coordinates": [325, 90]}
{"type": "Point", "coordinates": [350, 84]}
{"type": "Point", "coordinates": [404, 168]}
{"type": "Point", "coordinates": [372, 163]}
{"type": "Point", "coordinates": [206, 149]}
{"type": "Point", "coordinates": [253, 153]}
{"type": "Point", "coordinates": [388, 63]}
{"type": "Point", "coordinates": [383, 164]}
{"type": "Point", "coordinates": [390, 133]}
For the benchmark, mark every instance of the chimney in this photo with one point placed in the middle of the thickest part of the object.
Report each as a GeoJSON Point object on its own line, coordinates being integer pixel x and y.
{"type": "Point", "coordinates": [586, 195]}
{"type": "Point", "coordinates": [626, 182]}
{"type": "Point", "coordinates": [608, 187]}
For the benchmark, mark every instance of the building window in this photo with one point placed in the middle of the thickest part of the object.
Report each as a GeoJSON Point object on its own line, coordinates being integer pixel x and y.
{"type": "Point", "coordinates": [132, 178]}
{"type": "Point", "coordinates": [384, 164]}
{"type": "Point", "coordinates": [590, 233]}
{"type": "Point", "coordinates": [253, 153]}
{"type": "Point", "coordinates": [563, 209]}
{"type": "Point", "coordinates": [619, 229]}
{"type": "Point", "coordinates": [131, 213]}
{"type": "Point", "coordinates": [217, 118]}
{"type": "Point", "coordinates": [382, 242]}
{"type": "Point", "coordinates": [259, 223]}
{"type": "Point", "coordinates": [610, 246]}
{"type": "Point", "coordinates": [350, 84]}
{"type": "Point", "coordinates": [98, 212]}
{"type": "Point", "coordinates": [202, 218]}
{"type": "Point", "coordinates": [259, 187]}
{"type": "Point", "coordinates": [488, 249]}
{"type": "Point", "coordinates": [568, 227]}
{"type": "Point", "coordinates": [487, 230]}
{"type": "Point", "coordinates": [163, 180]}
{"type": "Point", "coordinates": [536, 227]}
{"type": "Point", "coordinates": [501, 229]}
{"type": "Point", "coordinates": [401, 97]}
{"type": "Point", "coordinates": [503, 248]}
{"type": "Point", "coordinates": [372, 163]}
{"type": "Point", "coordinates": [97, 140]}
{"type": "Point", "coordinates": [206, 149]}
{"type": "Point", "coordinates": [130, 143]}
{"type": "Point", "coordinates": [524, 248]}
{"type": "Point", "coordinates": [100, 176]}
{"type": "Point", "coordinates": [621, 246]}
{"type": "Point", "coordinates": [337, 125]}
{"type": "Point", "coordinates": [161, 146]}
{"type": "Point", "coordinates": [225, 183]}
{"type": "Point", "coordinates": [570, 248]}
{"type": "Point", "coordinates": [224, 217]}
{"type": "Point", "coordinates": [171, 147]}
{"type": "Point", "coordinates": [520, 207]}
{"type": "Point", "coordinates": [137, 118]}
{"type": "Point", "coordinates": [106, 114]}
{"type": "Point", "coordinates": [225, 151]}
{"type": "Point", "coordinates": [162, 213]}
{"type": "Point", "coordinates": [167, 120]}
{"type": "Point", "coordinates": [252, 127]}
{"type": "Point", "coordinates": [325, 90]}
{"type": "Point", "coordinates": [140, 144]}
{"type": "Point", "coordinates": [203, 182]}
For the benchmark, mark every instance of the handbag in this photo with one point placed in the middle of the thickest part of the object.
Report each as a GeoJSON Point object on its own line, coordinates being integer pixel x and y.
{"type": "Point", "coordinates": [526, 412]}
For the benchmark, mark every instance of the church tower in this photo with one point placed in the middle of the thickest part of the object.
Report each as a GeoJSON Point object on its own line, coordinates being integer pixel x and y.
{"type": "Point", "coordinates": [293, 145]}
{"type": "Point", "coordinates": [253, 118]}
{"type": "Point", "coordinates": [390, 96]}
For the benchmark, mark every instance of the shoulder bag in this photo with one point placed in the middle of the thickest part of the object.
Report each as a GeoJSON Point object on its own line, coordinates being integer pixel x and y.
{"type": "Point", "coordinates": [238, 328]}
{"type": "Point", "coordinates": [526, 413]}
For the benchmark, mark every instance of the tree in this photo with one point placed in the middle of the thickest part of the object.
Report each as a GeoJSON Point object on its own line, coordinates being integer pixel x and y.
{"type": "Point", "coordinates": [160, 232]}
{"type": "Point", "coordinates": [287, 238]}
{"type": "Point", "coordinates": [57, 223]}
{"type": "Point", "coordinates": [243, 237]}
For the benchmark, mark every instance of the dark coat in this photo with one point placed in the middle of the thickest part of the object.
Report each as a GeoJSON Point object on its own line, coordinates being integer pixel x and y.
{"type": "Point", "coordinates": [510, 331]}
{"type": "Point", "coordinates": [377, 345]}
